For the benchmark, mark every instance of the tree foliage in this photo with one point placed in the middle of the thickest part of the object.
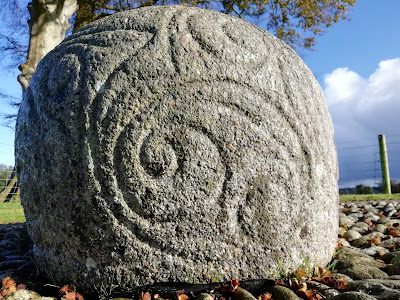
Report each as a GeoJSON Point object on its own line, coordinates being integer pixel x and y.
{"type": "Point", "coordinates": [395, 186]}
{"type": "Point", "coordinates": [297, 22]}
{"type": "Point", "coordinates": [362, 189]}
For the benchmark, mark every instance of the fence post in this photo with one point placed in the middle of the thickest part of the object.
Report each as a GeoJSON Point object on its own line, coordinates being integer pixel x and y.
{"type": "Point", "coordinates": [384, 164]}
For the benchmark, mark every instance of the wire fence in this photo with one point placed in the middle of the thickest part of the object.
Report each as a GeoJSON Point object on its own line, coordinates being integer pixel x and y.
{"type": "Point", "coordinates": [359, 163]}
{"type": "Point", "coordinates": [9, 189]}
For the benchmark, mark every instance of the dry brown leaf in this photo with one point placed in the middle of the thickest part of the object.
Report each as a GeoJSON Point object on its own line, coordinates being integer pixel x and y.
{"type": "Point", "coordinates": [266, 296]}
{"type": "Point", "coordinates": [377, 241]}
{"type": "Point", "coordinates": [7, 281]}
{"type": "Point", "coordinates": [322, 272]}
{"type": "Point", "coordinates": [21, 287]}
{"type": "Point", "coordinates": [70, 293]}
{"type": "Point", "coordinates": [394, 232]}
{"type": "Point", "coordinates": [145, 296]}
{"type": "Point", "coordinates": [8, 287]}
{"type": "Point", "coordinates": [67, 289]}
{"type": "Point", "coordinates": [234, 285]}
{"type": "Point", "coordinates": [371, 224]}
{"type": "Point", "coordinates": [346, 209]}
{"type": "Point", "coordinates": [181, 296]}
{"type": "Point", "coordinates": [299, 274]}
{"type": "Point", "coordinates": [302, 287]}
{"type": "Point", "coordinates": [309, 295]}
{"type": "Point", "coordinates": [329, 280]}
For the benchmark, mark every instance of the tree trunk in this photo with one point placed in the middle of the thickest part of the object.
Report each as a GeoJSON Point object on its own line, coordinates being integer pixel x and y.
{"type": "Point", "coordinates": [48, 25]}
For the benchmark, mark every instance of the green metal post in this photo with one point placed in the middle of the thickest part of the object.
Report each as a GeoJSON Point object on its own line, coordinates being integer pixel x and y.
{"type": "Point", "coordinates": [384, 164]}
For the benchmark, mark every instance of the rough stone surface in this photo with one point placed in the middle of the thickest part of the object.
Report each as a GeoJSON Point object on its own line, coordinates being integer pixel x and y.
{"type": "Point", "coordinates": [377, 290]}
{"type": "Point", "coordinates": [282, 293]}
{"type": "Point", "coordinates": [352, 296]}
{"type": "Point", "coordinates": [27, 295]}
{"type": "Point", "coordinates": [167, 143]}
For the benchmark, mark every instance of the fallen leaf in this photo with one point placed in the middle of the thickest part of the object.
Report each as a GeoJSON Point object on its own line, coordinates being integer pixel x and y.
{"type": "Point", "coordinates": [8, 287]}
{"type": "Point", "coordinates": [21, 287]}
{"type": "Point", "coordinates": [70, 293]}
{"type": "Point", "coordinates": [299, 274]}
{"type": "Point", "coordinates": [309, 295]}
{"type": "Point", "coordinates": [67, 289]}
{"type": "Point", "coordinates": [234, 285]}
{"type": "Point", "coordinates": [394, 232]}
{"type": "Point", "coordinates": [377, 241]}
{"type": "Point", "coordinates": [266, 296]}
{"type": "Point", "coordinates": [7, 281]}
{"type": "Point", "coordinates": [371, 225]}
{"type": "Point", "coordinates": [302, 287]}
{"type": "Point", "coordinates": [180, 296]}
{"type": "Point", "coordinates": [145, 296]}
{"type": "Point", "coordinates": [346, 209]}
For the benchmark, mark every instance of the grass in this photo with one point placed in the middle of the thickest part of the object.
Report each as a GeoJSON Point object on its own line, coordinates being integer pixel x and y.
{"type": "Point", "coordinates": [365, 197]}
{"type": "Point", "coordinates": [11, 212]}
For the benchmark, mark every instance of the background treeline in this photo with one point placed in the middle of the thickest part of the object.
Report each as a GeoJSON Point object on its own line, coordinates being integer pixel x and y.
{"type": "Point", "coordinates": [363, 189]}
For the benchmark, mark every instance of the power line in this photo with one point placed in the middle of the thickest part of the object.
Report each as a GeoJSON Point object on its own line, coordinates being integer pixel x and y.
{"type": "Point", "coordinates": [357, 147]}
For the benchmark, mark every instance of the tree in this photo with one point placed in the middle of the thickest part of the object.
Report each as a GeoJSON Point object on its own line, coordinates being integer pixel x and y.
{"type": "Point", "coordinates": [362, 189]}
{"type": "Point", "coordinates": [297, 22]}
{"type": "Point", "coordinates": [395, 186]}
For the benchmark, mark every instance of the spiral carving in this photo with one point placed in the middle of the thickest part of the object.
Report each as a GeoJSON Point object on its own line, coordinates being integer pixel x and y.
{"type": "Point", "coordinates": [175, 142]}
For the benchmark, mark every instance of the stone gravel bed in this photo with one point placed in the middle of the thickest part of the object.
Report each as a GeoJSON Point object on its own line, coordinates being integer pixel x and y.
{"type": "Point", "coordinates": [367, 256]}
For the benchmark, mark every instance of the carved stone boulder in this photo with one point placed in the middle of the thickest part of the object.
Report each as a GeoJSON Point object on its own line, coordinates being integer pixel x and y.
{"type": "Point", "coordinates": [173, 143]}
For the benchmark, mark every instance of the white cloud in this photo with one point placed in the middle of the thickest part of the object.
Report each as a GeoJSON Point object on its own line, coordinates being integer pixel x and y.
{"type": "Point", "coordinates": [342, 84]}
{"type": "Point", "coordinates": [361, 108]}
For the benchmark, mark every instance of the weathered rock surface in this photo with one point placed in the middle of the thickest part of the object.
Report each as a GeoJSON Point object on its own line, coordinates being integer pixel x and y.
{"type": "Point", "coordinates": [166, 143]}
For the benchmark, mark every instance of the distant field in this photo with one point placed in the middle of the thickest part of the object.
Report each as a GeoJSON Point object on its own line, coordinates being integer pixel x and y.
{"type": "Point", "coordinates": [369, 197]}
{"type": "Point", "coordinates": [11, 212]}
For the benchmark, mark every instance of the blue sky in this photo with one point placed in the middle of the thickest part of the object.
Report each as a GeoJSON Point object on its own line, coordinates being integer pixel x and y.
{"type": "Point", "coordinates": [357, 63]}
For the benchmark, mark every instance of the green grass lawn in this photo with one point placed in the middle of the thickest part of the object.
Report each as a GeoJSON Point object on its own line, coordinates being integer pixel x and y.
{"type": "Point", "coordinates": [369, 197]}
{"type": "Point", "coordinates": [11, 212]}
